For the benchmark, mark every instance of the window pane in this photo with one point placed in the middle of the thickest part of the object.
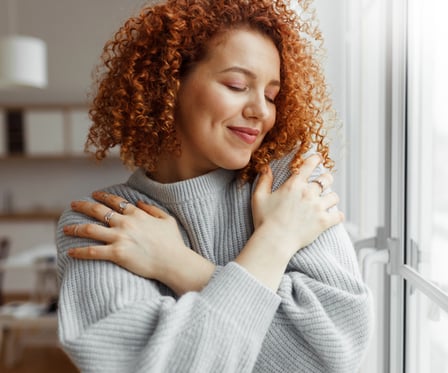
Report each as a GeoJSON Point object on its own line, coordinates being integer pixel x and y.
{"type": "Point", "coordinates": [427, 183]}
{"type": "Point", "coordinates": [428, 140]}
{"type": "Point", "coordinates": [427, 330]}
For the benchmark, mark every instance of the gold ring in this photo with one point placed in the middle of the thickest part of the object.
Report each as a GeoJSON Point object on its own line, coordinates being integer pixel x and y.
{"type": "Point", "coordinates": [108, 216]}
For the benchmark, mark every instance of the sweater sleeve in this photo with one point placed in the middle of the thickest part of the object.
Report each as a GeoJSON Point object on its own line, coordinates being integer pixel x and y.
{"type": "Point", "coordinates": [325, 316]}
{"type": "Point", "coordinates": [111, 320]}
{"type": "Point", "coordinates": [325, 312]}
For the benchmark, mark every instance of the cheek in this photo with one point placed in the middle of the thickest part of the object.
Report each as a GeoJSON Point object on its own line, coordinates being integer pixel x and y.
{"type": "Point", "coordinates": [270, 122]}
{"type": "Point", "coordinates": [208, 105]}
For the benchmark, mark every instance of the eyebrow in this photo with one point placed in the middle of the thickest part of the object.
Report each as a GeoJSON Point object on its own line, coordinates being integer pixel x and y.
{"type": "Point", "coordinates": [249, 73]}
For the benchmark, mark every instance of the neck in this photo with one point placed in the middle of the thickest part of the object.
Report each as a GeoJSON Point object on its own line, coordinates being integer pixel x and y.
{"type": "Point", "coordinates": [171, 170]}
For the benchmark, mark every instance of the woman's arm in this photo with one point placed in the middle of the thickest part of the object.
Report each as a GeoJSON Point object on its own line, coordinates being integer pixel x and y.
{"type": "Point", "coordinates": [146, 240]}
{"type": "Point", "coordinates": [285, 221]}
{"type": "Point", "coordinates": [143, 239]}
{"type": "Point", "coordinates": [326, 309]}
{"type": "Point", "coordinates": [111, 320]}
{"type": "Point", "coordinates": [313, 308]}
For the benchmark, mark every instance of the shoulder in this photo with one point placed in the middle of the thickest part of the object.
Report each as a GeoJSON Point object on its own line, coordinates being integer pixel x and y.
{"type": "Point", "coordinates": [281, 168]}
{"type": "Point", "coordinates": [123, 190]}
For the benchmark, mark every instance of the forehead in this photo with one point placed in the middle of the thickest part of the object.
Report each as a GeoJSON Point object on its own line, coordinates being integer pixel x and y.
{"type": "Point", "coordinates": [249, 48]}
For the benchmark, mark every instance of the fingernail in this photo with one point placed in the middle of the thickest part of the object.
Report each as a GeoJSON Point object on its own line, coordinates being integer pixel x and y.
{"type": "Point", "coordinates": [71, 252]}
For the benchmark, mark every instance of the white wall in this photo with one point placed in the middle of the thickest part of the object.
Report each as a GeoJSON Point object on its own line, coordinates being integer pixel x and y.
{"type": "Point", "coordinates": [46, 185]}
{"type": "Point", "coordinates": [75, 32]}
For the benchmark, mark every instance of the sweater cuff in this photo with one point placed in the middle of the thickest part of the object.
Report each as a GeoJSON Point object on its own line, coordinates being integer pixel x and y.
{"type": "Point", "coordinates": [238, 295]}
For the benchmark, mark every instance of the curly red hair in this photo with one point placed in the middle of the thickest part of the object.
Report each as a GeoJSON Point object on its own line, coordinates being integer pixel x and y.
{"type": "Point", "coordinates": [143, 65]}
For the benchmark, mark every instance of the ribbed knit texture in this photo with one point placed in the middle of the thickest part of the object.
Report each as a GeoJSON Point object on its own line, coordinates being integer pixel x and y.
{"type": "Point", "coordinates": [111, 320]}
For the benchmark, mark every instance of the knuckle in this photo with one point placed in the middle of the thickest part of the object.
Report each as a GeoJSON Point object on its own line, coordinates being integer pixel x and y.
{"type": "Point", "coordinates": [91, 252]}
{"type": "Point", "coordinates": [307, 192]}
{"type": "Point", "coordinates": [335, 197]}
{"type": "Point", "coordinates": [88, 229]}
{"type": "Point", "coordinates": [118, 252]}
{"type": "Point", "coordinates": [125, 225]}
{"type": "Point", "coordinates": [323, 220]}
{"type": "Point", "coordinates": [97, 209]}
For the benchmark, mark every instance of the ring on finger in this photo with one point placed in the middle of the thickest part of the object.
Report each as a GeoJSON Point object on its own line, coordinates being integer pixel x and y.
{"type": "Point", "coordinates": [122, 206]}
{"type": "Point", "coordinates": [320, 183]}
{"type": "Point", "coordinates": [107, 216]}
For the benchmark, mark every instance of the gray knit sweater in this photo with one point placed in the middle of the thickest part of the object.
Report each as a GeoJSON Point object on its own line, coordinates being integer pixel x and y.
{"type": "Point", "coordinates": [111, 320]}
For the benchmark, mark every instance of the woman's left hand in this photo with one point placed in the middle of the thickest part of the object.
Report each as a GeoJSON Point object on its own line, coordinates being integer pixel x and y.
{"type": "Point", "coordinates": [143, 238]}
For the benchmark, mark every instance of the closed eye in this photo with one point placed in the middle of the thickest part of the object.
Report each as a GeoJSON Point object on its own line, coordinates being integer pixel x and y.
{"type": "Point", "coordinates": [270, 99]}
{"type": "Point", "coordinates": [237, 88]}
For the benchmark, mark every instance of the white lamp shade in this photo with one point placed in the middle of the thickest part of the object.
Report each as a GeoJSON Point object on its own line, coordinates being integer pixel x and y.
{"type": "Point", "coordinates": [23, 62]}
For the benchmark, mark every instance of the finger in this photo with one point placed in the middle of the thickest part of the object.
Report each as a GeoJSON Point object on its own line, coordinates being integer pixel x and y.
{"type": "Point", "coordinates": [97, 211]}
{"type": "Point", "coordinates": [317, 185]}
{"type": "Point", "coordinates": [322, 182]}
{"type": "Point", "coordinates": [152, 210]}
{"type": "Point", "coordinates": [329, 200]}
{"type": "Point", "coordinates": [264, 183]}
{"type": "Point", "coordinates": [309, 165]}
{"type": "Point", "coordinates": [113, 201]}
{"type": "Point", "coordinates": [100, 252]}
{"type": "Point", "coordinates": [332, 218]}
{"type": "Point", "coordinates": [326, 179]}
{"type": "Point", "coordinates": [93, 231]}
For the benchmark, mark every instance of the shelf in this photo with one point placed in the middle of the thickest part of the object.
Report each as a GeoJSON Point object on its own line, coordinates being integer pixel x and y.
{"type": "Point", "coordinates": [31, 216]}
{"type": "Point", "coordinates": [62, 157]}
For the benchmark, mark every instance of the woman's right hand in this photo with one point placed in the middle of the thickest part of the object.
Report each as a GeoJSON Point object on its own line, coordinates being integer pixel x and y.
{"type": "Point", "coordinates": [298, 211]}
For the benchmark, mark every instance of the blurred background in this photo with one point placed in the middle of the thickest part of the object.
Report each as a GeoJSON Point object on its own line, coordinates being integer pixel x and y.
{"type": "Point", "coordinates": [386, 68]}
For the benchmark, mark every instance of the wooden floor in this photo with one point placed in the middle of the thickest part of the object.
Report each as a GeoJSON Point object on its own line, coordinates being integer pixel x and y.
{"type": "Point", "coordinates": [41, 360]}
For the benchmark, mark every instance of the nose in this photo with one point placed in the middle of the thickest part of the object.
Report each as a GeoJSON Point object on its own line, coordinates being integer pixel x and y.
{"type": "Point", "coordinates": [256, 107]}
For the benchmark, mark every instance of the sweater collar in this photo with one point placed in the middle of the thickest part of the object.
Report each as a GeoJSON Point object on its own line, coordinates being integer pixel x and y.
{"type": "Point", "coordinates": [183, 191]}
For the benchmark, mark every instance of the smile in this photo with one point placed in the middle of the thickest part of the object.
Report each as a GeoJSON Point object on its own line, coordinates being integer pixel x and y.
{"type": "Point", "coordinates": [247, 134]}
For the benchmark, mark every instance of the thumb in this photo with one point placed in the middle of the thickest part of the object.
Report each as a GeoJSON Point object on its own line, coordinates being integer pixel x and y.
{"type": "Point", "coordinates": [264, 183]}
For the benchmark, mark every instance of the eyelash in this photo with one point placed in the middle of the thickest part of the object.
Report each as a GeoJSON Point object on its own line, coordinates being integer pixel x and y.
{"type": "Point", "coordinates": [270, 100]}
{"type": "Point", "coordinates": [239, 89]}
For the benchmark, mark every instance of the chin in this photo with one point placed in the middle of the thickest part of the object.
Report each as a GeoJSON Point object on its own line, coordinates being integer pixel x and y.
{"type": "Point", "coordinates": [236, 162]}
{"type": "Point", "coordinates": [234, 166]}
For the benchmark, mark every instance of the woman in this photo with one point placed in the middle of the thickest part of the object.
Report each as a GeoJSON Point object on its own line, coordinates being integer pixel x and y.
{"type": "Point", "coordinates": [198, 266]}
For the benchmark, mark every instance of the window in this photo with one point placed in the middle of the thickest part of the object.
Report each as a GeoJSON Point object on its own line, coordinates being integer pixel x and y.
{"type": "Point", "coordinates": [427, 186]}
{"type": "Point", "coordinates": [397, 131]}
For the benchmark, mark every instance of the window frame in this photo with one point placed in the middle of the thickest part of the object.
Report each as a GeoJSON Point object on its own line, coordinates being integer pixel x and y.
{"type": "Point", "coordinates": [403, 277]}
{"type": "Point", "coordinates": [391, 156]}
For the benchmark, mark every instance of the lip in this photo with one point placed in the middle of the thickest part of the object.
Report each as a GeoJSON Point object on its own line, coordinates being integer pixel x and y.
{"type": "Point", "coordinates": [247, 134]}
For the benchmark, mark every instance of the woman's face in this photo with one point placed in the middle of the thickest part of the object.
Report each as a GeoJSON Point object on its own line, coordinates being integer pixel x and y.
{"type": "Point", "coordinates": [226, 104]}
